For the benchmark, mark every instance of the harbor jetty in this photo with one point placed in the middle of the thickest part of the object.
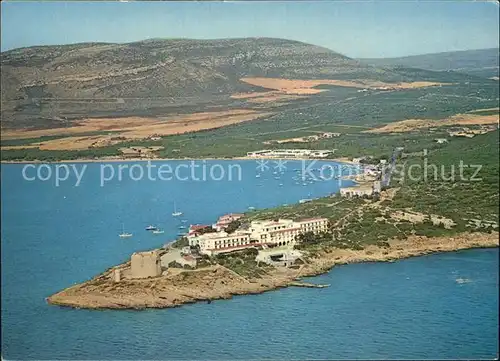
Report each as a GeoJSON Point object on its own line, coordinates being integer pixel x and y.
{"type": "Point", "coordinates": [307, 285]}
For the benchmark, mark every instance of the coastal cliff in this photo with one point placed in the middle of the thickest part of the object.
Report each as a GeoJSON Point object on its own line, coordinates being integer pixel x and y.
{"type": "Point", "coordinates": [179, 287]}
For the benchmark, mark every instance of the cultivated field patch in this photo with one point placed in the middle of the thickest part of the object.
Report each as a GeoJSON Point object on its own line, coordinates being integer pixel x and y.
{"type": "Point", "coordinates": [131, 128]}
{"type": "Point", "coordinates": [301, 87]}
{"type": "Point", "coordinates": [265, 97]}
{"type": "Point", "coordinates": [415, 124]}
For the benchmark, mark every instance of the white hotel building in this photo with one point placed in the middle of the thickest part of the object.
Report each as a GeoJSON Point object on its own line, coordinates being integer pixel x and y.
{"type": "Point", "coordinates": [282, 232]}
{"type": "Point", "coordinates": [219, 242]}
{"type": "Point", "coordinates": [290, 153]}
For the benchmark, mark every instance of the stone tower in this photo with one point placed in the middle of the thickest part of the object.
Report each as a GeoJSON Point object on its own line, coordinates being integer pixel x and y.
{"type": "Point", "coordinates": [145, 264]}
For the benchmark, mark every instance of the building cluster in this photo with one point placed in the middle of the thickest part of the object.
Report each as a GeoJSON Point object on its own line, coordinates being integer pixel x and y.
{"type": "Point", "coordinates": [306, 139]}
{"type": "Point", "coordinates": [264, 235]}
{"type": "Point", "coordinates": [315, 137]}
{"type": "Point", "coordinates": [225, 220]}
{"type": "Point", "coordinates": [269, 233]}
{"type": "Point", "coordinates": [140, 151]}
{"type": "Point", "coordinates": [290, 153]}
{"type": "Point", "coordinates": [369, 181]}
{"type": "Point", "coordinates": [154, 137]}
{"type": "Point", "coordinates": [470, 133]}
{"type": "Point", "coordinates": [366, 189]}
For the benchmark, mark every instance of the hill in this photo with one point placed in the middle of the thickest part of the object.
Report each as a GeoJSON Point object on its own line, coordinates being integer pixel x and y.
{"type": "Point", "coordinates": [46, 82]}
{"type": "Point", "coordinates": [481, 62]}
{"type": "Point", "coordinates": [50, 86]}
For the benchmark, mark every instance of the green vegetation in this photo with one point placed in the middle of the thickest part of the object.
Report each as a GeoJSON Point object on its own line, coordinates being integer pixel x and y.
{"type": "Point", "coordinates": [486, 112]}
{"type": "Point", "coordinates": [46, 138]}
{"type": "Point", "coordinates": [442, 190]}
{"type": "Point", "coordinates": [336, 110]}
{"type": "Point", "coordinates": [207, 229]}
{"type": "Point", "coordinates": [330, 207]}
{"type": "Point", "coordinates": [243, 263]}
{"type": "Point", "coordinates": [174, 264]}
{"type": "Point", "coordinates": [308, 239]}
{"type": "Point", "coordinates": [233, 226]}
{"type": "Point", "coordinates": [181, 242]}
{"type": "Point", "coordinates": [472, 205]}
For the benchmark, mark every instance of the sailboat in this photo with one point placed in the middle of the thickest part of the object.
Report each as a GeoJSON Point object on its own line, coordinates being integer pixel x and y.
{"type": "Point", "coordinates": [176, 213]}
{"type": "Point", "coordinates": [124, 234]}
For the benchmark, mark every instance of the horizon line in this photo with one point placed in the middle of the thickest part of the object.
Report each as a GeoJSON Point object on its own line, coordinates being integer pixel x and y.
{"type": "Point", "coordinates": [236, 38]}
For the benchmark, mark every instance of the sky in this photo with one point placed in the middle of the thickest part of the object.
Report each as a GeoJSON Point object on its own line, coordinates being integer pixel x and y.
{"type": "Point", "coordinates": [357, 29]}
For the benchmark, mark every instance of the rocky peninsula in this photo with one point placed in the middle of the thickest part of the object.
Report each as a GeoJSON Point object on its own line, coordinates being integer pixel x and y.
{"type": "Point", "coordinates": [178, 286]}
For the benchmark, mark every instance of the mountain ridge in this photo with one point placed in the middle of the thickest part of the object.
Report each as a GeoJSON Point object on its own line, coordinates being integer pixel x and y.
{"type": "Point", "coordinates": [34, 78]}
{"type": "Point", "coordinates": [156, 77]}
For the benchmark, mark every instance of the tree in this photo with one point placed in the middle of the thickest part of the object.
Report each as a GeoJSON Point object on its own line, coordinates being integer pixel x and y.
{"type": "Point", "coordinates": [207, 229]}
{"type": "Point", "coordinates": [181, 242]}
{"type": "Point", "coordinates": [233, 226]}
{"type": "Point", "coordinates": [307, 238]}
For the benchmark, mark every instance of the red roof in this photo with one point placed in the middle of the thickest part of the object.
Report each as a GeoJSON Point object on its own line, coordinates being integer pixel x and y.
{"type": "Point", "coordinates": [197, 227]}
{"type": "Point", "coordinates": [231, 215]}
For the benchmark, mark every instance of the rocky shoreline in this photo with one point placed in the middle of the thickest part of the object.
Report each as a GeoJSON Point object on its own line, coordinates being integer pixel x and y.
{"type": "Point", "coordinates": [180, 287]}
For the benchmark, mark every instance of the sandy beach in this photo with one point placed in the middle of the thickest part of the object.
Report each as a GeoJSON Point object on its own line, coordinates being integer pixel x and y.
{"type": "Point", "coordinates": [122, 159]}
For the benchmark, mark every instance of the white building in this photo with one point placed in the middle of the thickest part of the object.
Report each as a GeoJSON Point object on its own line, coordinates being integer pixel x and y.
{"type": "Point", "coordinates": [313, 138]}
{"type": "Point", "coordinates": [314, 225]}
{"type": "Point", "coordinates": [358, 160]}
{"type": "Point", "coordinates": [330, 135]}
{"type": "Point", "coordinates": [193, 240]}
{"type": "Point", "coordinates": [371, 171]}
{"type": "Point", "coordinates": [356, 191]}
{"type": "Point", "coordinates": [441, 140]}
{"type": "Point", "coordinates": [220, 242]}
{"type": "Point", "coordinates": [361, 190]}
{"type": "Point", "coordinates": [278, 257]}
{"type": "Point", "coordinates": [290, 153]}
{"type": "Point", "coordinates": [224, 220]}
{"type": "Point", "coordinates": [282, 232]}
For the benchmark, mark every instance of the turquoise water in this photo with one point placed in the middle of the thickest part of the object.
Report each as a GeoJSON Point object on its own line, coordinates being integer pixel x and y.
{"type": "Point", "coordinates": [53, 237]}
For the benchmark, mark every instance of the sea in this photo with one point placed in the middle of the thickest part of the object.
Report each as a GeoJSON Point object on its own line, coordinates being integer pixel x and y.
{"type": "Point", "coordinates": [60, 226]}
